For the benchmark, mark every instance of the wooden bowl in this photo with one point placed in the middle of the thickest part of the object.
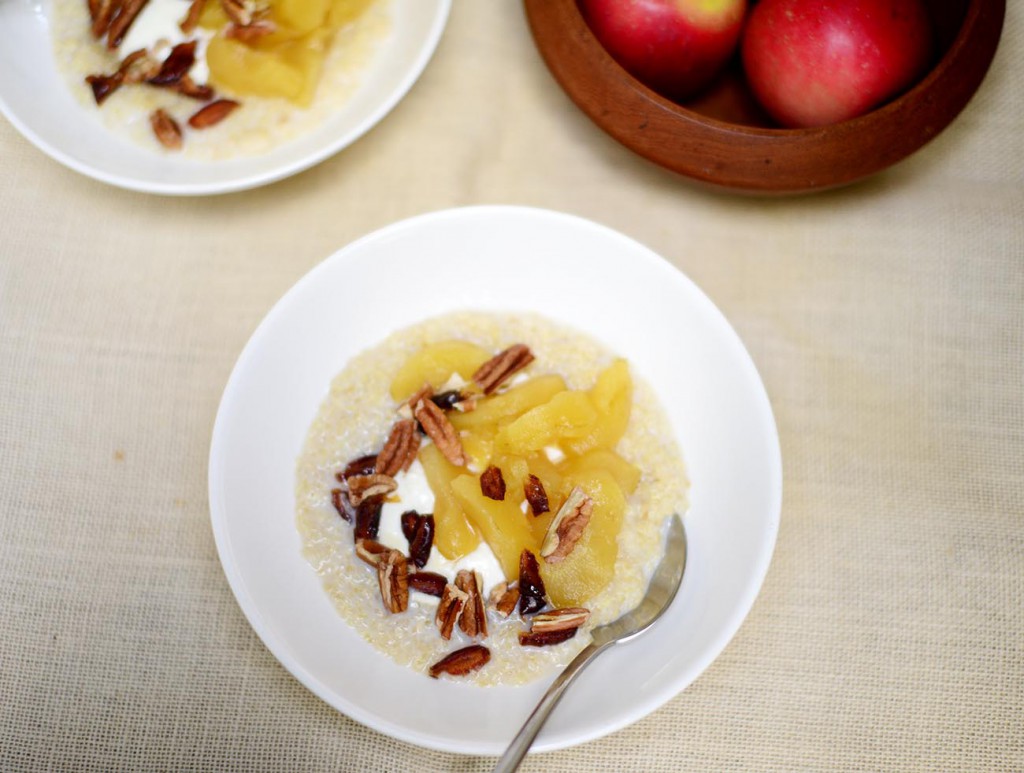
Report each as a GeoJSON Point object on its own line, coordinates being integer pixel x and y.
{"type": "Point", "coordinates": [724, 140]}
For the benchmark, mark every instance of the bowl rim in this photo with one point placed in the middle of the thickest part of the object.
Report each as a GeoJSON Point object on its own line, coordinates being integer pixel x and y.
{"type": "Point", "coordinates": [564, 38]}
{"type": "Point", "coordinates": [406, 240]}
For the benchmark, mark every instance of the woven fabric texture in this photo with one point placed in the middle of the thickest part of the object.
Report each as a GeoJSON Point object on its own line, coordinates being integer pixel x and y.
{"type": "Point", "coordinates": [886, 319]}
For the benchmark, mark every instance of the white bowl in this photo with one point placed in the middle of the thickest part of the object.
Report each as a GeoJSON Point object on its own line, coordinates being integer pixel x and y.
{"type": "Point", "coordinates": [35, 98]}
{"type": "Point", "coordinates": [491, 258]}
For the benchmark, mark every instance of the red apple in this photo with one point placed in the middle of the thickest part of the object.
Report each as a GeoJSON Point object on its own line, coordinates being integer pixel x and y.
{"type": "Point", "coordinates": [675, 47]}
{"type": "Point", "coordinates": [816, 62]}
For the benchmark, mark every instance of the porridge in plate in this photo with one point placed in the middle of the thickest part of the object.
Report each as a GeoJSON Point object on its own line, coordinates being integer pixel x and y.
{"type": "Point", "coordinates": [215, 79]}
{"type": "Point", "coordinates": [479, 490]}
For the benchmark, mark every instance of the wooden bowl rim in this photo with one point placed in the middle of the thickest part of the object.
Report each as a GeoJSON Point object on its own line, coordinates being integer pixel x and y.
{"type": "Point", "coordinates": [974, 44]}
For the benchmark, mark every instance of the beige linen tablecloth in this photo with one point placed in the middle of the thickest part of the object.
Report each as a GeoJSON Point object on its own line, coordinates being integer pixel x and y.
{"type": "Point", "coordinates": [887, 320]}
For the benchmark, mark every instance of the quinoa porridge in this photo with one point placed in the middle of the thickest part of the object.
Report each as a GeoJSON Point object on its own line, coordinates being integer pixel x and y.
{"type": "Point", "coordinates": [360, 414]}
{"type": "Point", "coordinates": [260, 122]}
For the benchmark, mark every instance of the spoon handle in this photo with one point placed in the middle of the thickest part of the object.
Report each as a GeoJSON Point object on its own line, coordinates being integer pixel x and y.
{"type": "Point", "coordinates": [520, 745]}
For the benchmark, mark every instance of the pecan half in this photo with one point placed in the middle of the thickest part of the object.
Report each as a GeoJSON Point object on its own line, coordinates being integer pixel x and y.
{"type": "Point", "coordinates": [545, 638]}
{"type": "Point", "coordinates": [560, 619]}
{"type": "Point", "coordinates": [371, 551]}
{"type": "Point", "coordinates": [393, 579]}
{"type": "Point", "coordinates": [431, 583]}
{"type": "Point", "coordinates": [531, 585]}
{"type": "Point", "coordinates": [120, 25]}
{"type": "Point", "coordinates": [536, 495]}
{"type": "Point", "coordinates": [473, 620]}
{"type": "Point", "coordinates": [567, 526]}
{"type": "Point", "coordinates": [492, 483]}
{"type": "Point", "coordinates": [191, 20]}
{"type": "Point", "coordinates": [368, 518]}
{"type": "Point", "coordinates": [176, 65]}
{"type": "Point", "coordinates": [212, 114]}
{"type": "Point", "coordinates": [362, 487]}
{"type": "Point", "coordinates": [441, 431]}
{"type": "Point", "coordinates": [166, 129]}
{"type": "Point", "coordinates": [493, 373]}
{"type": "Point", "coordinates": [363, 465]}
{"type": "Point", "coordinates": [400, 448]}
{"type": "Point", "coordinates": [103, 13]}
{"type": "Point", "coordinates": [462, 661]}
{"type": "Point", "coordinates": [343, 505]}
{"type": "Point", "coordinates": [504, 597]}
{"type": "Point", "coordinates": [449, 609]}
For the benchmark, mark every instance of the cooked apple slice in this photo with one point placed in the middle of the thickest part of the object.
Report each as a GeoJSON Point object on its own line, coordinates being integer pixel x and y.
{"type": "Point", "coordinates": [511, 404]}
{"type": "Point", "coordinates": [589, 567]}
{"type": "Point", "coordinates": [612, 397]}
{"type": "Point", "coordinates": [565, 416]}
{"type": "Point", "coordinates": [502, 523]}
{"type": "Point", "coordinates": [435, 364]}
{"type": "Point", "coordinates": [454, 536]}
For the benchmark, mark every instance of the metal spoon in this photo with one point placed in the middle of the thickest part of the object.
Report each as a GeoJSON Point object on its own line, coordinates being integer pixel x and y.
{"type": "Point", "coordinates": [660, 593]}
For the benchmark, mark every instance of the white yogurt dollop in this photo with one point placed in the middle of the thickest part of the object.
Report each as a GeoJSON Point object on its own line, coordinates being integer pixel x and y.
{"type": "Point", "coordinates": [414, 494]}
{"type": "Point", "coordinates": [157, 30]}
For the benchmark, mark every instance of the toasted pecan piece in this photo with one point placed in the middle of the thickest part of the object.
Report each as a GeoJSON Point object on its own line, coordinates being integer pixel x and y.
{"type": "Point", "coordinates": [400, 448]}
{"type": "Point", "coordinates": [362, 487]}
{"type": "Point", "coordinates": [473, 620]}
{"type": "Point", "coordinates": [212, 114]}
{"type": "Point", "coordinates": [560, 619]}
{"type": "Point", "coordinates": [120, 25]}
{"type": "Point", "coordinates": [103, 13]}
{"type": "Point", "coordinates": [240, 12]}
{"type": "Point", "coordinates": [441, 431]}
{"type": "Point", "coordinates": [504, 597]}
{"type": "Point", "coordinates": [462, 661]}
{"type": "Point", "coordinates": [247, 33]}
{"type": "Point", "coordinates": [166, 129]}
{"type": "Point", "coordinates": [393, 579]}
{"type": "Point", "coordinates": [371, 551]}
{"type": "Point", "coordinates": [191, 20]}
{"type": "Point", "coordinates": [554, 626]}
{"type": "Point", "coordinates": [545, 638]}
{"type": "Point", "coordinates": [449, 609]}
{"type": "Point", "coordinates": [567, 526]}
{"type": "Point", "coordinates": [493, 373]}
